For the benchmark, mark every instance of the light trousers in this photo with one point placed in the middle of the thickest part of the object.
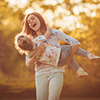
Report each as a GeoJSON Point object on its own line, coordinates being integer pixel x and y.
{"type": "Point", "coordinates": [65, 54]}
{"type": "Point", "coordinates": [49, 86]}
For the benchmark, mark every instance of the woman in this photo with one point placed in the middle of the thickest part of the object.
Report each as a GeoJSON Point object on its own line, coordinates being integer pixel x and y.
{"type": "Point", "coordinates": [49, 79]}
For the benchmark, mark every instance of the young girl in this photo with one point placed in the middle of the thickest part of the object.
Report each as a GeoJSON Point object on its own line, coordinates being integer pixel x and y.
{"type": "Point", "coordinates": [52, 55]}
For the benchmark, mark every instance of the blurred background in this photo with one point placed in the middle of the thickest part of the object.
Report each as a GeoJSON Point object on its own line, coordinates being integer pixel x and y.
{"type": "Point", "coordinates": [77, 18]}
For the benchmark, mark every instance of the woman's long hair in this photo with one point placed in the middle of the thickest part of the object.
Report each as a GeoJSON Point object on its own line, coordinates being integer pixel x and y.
{"type": "Point", "coordinates": [27, 30]}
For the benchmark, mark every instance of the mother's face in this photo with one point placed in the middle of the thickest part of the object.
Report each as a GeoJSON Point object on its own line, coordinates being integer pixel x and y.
{"type": "Point", "coordinates": [33, 22]}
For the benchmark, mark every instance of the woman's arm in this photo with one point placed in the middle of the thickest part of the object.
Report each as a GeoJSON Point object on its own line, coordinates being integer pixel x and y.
{"type": "Point", "coordinates": [35, 57]}
{"type": "Point", "coordinates": [66, 38]}
{"type": "Point", "coordinates": [69, 40]}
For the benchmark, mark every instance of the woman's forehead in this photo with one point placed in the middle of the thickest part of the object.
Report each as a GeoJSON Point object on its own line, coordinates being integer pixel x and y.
{"type": "Point", "coordinates": [30, 16]}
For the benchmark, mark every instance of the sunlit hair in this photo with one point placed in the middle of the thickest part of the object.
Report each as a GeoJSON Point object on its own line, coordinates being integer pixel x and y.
{"type": "Point", "coordinates": [27, 30]}
{"type": "Point", "coordinates": [23, 43]}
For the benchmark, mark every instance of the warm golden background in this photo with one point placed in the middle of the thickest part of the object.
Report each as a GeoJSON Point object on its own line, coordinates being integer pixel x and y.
{"type": "Point", "coordinates": [77, 18]}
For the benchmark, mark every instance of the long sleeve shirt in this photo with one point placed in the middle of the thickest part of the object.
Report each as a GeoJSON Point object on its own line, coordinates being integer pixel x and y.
{"type": "Point", "coordinates": [54, 40]}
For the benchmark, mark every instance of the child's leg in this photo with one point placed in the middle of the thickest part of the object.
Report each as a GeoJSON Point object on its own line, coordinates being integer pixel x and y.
{"type": "Point", "coordinates": [74, 64]}
{"type": "Point", "coordinates": [88, 55]}
{"type": "Point", "coordinates": [76, 67]}
{"type": "Point", "coordinates": [65, 53]}
{"type": "Point", "coordinates": [82, 52]}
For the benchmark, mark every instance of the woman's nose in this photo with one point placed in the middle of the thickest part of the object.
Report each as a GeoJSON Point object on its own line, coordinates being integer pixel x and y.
{"type": "Point", "coordinates": [30, 21]}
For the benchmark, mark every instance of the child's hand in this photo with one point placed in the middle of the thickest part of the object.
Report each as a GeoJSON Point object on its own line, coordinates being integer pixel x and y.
{"type": "Point", "coordinates": [41, 38]}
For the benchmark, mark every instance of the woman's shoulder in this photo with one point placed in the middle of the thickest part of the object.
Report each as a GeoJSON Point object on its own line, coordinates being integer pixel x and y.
{"type": "Point", "coordinates": [53, 30]}
{"type": "Point", "coordinates": [56, 32]}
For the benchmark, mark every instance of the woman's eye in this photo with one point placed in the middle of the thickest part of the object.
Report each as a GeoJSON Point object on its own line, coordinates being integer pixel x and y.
{"type": "Point", "coordinates": [33, 18]}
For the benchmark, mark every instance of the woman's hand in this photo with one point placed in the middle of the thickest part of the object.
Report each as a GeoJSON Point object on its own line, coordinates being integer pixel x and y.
{"type": "Point", "coordinates": [39, 50]}
{"type": "Point", "coordinates": [74, 49]}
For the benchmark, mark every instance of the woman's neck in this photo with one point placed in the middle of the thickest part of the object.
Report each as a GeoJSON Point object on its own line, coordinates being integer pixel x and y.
{"type": "Point", "coordinates": [39, 33]}
{"type": "Point", "coordinates": [47, 34]}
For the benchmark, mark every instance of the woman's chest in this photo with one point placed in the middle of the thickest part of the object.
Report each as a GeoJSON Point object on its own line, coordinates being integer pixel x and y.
{"type": "Point", "coordinates": [52, 40]}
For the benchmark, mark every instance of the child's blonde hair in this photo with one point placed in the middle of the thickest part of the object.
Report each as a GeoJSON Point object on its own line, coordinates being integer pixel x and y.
{"type": "Point", "coordinates": [21, 43]}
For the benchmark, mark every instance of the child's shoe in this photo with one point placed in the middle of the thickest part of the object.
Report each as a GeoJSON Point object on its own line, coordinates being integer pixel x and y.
{"type": "Point", "coordinates": [94, 58]}
{"type": "Point", "coordinates": [81, 73]}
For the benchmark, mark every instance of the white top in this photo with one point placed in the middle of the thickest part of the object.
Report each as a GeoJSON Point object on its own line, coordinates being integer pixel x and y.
{"type": "Point", "coordinates": [51, 54]}
{"type": "Point", "coordinates": [54, 40]}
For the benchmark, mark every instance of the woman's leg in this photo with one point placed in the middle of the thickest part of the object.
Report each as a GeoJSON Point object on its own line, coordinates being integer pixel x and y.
{"type": "Point", "coordinates": [55, 86]}
{"type": "Point", "coordinates": [41, 87]}
{"type": "Point", "coordinates": [49, 86]}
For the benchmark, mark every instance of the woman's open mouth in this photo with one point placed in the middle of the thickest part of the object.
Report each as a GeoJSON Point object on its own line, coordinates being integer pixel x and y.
{"type": "Point", "coordinates": [33, 25]}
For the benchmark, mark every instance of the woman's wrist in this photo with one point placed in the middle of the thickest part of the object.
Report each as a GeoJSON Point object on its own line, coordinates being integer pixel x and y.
{"type": "Point", "coordinates": [37, 56]}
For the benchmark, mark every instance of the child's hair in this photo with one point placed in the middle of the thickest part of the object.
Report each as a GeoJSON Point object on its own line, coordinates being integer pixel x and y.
{"type": "Point", "coordinates": [23, 43]}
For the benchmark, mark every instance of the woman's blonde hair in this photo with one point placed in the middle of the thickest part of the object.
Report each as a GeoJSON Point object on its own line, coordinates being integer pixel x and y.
{"type": "Point", "coordinates": [27, 30]}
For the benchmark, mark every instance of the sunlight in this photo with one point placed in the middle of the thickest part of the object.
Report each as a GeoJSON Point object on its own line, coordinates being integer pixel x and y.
{"type": "Point", "coordinates": [96, 0]}
{"type": "Point", "coordinates": [75, 1]}
{"type": "Point", "coordinates": [60, 1]}
{"type": "Point", "coordinates": [88, 9]}
{"type": "Point", "coordinates": [29, 10]}
{"type": "Point", "coordinates": [78, 25]}
{"type": "Point", "coordinates": [93, 14]}
{"type": "Point", "coordinates": [19, 3]}
{"type": "Point", "coordinates": [61, 14]}
{"type": "Point", "coordinates": [52, 2]}
{"type": "Point", "coordinates": [76, 10]}
{"type": "Point", "coordinates": [60, 9]}
{"type": "Point", "coordinates": [35, 7]}
{"type": "Point", "coordinates": [50, 13]}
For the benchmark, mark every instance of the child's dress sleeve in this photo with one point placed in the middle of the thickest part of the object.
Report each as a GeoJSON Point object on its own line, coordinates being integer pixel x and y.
{"type": "Point", "coordinates": [40, 38]}
{"type": "Point", "coordinates": [66, 38]}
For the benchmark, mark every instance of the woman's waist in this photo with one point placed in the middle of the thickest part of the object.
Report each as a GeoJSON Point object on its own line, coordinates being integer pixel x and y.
{"type": "Point", "coordinates": [46, 67]}
{"type": "Point", "coordinates": [49, 69]}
